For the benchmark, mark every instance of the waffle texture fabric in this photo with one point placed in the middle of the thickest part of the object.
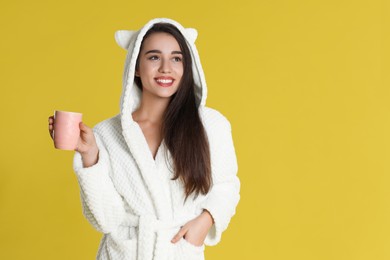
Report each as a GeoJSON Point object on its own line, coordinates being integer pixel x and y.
{"type": "Point", "coordinates": [130, 196]}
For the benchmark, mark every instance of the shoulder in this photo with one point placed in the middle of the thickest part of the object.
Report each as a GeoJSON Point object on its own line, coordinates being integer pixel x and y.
{"type": "Point", "coordinates": [213, 119]}
{"type": "Point", "coordinates": [109, 134]}
{"type": "Point", "coordinates": [108, 127]}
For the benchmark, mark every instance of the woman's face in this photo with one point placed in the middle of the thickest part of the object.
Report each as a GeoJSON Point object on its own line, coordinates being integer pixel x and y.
{"type": "Point", "coordinates": [160, 65]}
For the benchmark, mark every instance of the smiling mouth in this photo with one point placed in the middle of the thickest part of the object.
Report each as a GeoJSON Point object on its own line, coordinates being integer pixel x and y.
{"type": "Point", "coordinates": [164, 82]}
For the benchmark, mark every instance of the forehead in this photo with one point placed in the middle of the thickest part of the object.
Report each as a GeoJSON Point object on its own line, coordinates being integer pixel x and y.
{"type": "Point", "coordinates": [160, 41]}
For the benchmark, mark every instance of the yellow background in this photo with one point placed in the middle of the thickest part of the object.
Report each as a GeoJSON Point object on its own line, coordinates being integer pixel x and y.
{"type": "Point", "coordinates": [305, 85]}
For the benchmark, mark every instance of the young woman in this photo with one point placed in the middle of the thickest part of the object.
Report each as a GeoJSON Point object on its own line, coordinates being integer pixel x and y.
{"type": "Point", "coordinates": [159, 179]}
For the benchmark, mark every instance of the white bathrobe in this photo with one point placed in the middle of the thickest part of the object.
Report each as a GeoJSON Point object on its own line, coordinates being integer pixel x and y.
{"type": "Point", "coordinates": [130, 197]}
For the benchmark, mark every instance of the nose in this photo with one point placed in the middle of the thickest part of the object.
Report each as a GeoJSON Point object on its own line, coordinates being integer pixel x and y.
{"type": "Point", "coordinates": [164, 67]}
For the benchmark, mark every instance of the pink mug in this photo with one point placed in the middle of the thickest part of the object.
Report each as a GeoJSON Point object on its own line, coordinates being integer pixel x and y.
{"type": "Point", "coordinates": [66, 129]}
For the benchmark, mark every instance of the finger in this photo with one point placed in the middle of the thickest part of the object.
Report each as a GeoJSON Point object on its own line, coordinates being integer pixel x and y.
{"type": "Point", "coordinates": [83, 127]}
{"type": "Point", "coordinates": [51, 133]}
{"type": "Point", "coordinates": [51, 127]}
{"type": "Point", "coordinates": [179, 235]}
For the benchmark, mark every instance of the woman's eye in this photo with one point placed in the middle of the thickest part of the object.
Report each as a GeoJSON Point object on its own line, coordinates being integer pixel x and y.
{"type": "Point", "coordinates": [153, 58]}
{"type": "Point", "coordinates": [177, 59]}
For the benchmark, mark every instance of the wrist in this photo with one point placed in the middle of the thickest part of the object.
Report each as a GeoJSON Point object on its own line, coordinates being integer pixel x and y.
{"type": "Point", "coordinates": [91, 152]}
{"type": "Point", "coordinates": [207, 215]}
{"type": "Point", "coordinates": [90, 158]}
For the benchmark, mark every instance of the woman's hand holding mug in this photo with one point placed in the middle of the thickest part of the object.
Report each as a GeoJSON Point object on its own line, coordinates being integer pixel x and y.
{"type": "Point", "coordinates": [83, 137]}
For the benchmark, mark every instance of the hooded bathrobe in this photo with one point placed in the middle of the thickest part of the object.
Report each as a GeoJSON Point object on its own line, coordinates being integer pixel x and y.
{"type": "Point", "coordinates": [130, 196]}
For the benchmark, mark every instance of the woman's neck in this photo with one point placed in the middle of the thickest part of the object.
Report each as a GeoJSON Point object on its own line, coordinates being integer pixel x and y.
{"type": "Point", "coordinates": [151, 109]}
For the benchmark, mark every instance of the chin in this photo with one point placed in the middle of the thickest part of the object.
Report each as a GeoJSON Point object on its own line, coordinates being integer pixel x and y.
{"type": "Point", "coordinates": [165, 94]}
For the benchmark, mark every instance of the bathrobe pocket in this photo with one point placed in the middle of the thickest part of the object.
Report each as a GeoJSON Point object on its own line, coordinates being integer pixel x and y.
{"type": "Point", "coordinates": [123, 243]}
{"type": "Point", "coordinates": [190, 251]}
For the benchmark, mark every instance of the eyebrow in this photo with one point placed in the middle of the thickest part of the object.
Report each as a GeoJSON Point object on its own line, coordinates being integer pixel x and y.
{"type": "Point", "coordinates": [158, 51]}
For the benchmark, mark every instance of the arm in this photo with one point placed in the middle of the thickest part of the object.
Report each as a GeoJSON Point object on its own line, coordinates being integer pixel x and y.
{"type": "Point", "coordinates": [101, 203]}
{"type": "Point", "coordinates": [220, 203]}
{"type": "Point", "coordinates": [224, 195]}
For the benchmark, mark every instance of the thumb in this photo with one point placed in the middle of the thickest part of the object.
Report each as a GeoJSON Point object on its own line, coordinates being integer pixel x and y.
{"type": "Point", "coordinates": [83, 126]}
{"type": "Point", "coordinates": [179, 235]}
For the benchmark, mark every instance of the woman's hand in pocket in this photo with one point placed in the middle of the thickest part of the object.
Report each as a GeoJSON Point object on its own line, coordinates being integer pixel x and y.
{"type": "Point", "coordinates": [195, 230]}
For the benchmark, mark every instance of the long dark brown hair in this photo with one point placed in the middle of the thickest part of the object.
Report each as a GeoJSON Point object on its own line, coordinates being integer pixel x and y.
{"type": "Point", "coordinates": [182, 128]}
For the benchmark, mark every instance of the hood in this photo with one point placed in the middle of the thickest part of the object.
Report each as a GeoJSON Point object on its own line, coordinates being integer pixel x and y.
{"type": "Point", "coordinates": [131, 42]}
{"type": "Point", "coordinates": [130, 101]}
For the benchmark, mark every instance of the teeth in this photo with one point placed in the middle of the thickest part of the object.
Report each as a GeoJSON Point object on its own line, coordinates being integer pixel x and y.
{"type": "Point", "coordinates": [164, 80]}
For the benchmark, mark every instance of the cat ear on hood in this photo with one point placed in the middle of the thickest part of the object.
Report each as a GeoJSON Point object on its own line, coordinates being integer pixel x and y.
{"type": "Point", "coordinates": [192, 34]}
{"type": "Point", "coordinates": [123, 38]}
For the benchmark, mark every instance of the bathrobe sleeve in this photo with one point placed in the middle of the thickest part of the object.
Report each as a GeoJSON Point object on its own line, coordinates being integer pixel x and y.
{"type": "Point", "coordinates": [224, 195]}
{"type": "Point", "coordinates": [101, 203]}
